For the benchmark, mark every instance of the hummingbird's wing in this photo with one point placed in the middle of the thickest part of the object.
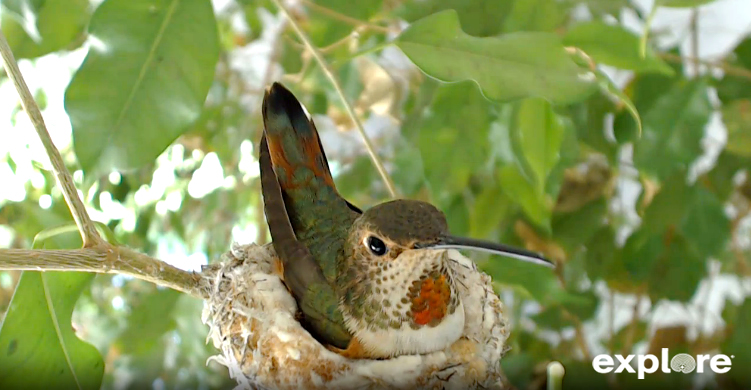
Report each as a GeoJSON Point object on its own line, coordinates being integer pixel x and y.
{"type": "Point", "coordinates": [319, 216]}
{"type": "Point", "coordinates": [326, 162]}
{"type": "Point", "coordinates": [289, 250]}
{"type": "Point", "coordinates": [302, 274]}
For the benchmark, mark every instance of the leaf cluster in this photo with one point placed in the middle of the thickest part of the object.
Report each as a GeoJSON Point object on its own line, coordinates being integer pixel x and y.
{"type": "Point", "coordinates": [503, 113]}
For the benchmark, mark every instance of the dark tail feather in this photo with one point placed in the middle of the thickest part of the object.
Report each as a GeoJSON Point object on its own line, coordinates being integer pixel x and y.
{"type": "Point", "coordinates": [293, 140]}
{"type": "Point", "coordinates": [304, 271]}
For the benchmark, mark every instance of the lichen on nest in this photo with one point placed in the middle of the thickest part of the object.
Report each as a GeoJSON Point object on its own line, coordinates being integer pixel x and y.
{"type": "Point", "coordinates": [252, 321]}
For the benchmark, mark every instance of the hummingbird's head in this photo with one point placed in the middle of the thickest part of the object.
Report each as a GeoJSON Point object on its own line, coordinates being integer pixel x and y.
{"type": "Point", "coordinates": [392, 228]}
{"type": "Point", "coordinates": [395, 279]}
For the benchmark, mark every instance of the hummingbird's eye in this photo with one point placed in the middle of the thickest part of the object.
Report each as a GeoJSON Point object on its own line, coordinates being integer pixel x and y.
{"type": "Point", "coordinates": [376, 245]}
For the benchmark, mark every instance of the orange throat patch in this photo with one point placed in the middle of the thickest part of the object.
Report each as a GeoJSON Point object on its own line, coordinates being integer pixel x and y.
{"type": "Point", "coordinates": [431, 300]}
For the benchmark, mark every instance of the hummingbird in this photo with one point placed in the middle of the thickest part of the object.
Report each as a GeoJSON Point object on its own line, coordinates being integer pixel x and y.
{"type": "Point", "coordinates": [370, 284]}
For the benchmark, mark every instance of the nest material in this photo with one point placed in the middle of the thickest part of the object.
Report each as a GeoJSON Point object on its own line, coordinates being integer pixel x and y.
{"type": "Point", "coordinates": [252, 320]}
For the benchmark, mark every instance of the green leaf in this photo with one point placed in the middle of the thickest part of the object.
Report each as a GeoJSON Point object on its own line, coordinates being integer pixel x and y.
{"type": "Point", "coordinates": [148, 322]}
{"type": "Point", "coordinates": [629, 336]}
{"type": "Point", "coordinates": [409, 170]}
{"type": "Point", "coordinates": [605, 7]}
{"type": "Point", "coordinates": [720, 178]}
{"type": "Point", "coordinates": [659, 253]}
{"type": "Point", "coordinates": [325, 30]}
{"type": "Point", "coordinates": [457, 214]}
{"type": "Point", "coordinates": [673, 129]}
{"type": "Point", "coordinates": [608, 87]}
{"type": "Point", "coordinates": [356, 183]}
{"type": "Point", "coordinates": [677, 272]}
{"type": "Point", "coordinates": [34, 28]}
{"type": "Point", "coordinates": [290, 59]}
{"type": "Point", "coordinates": [537, 205]}
{"type": "Point", "coordinates": [582, 305]}
{"type": "Point", "coordinates": [480, 18]}
{"type": "Point", "coordinates": [574, 229]}
{"type": "Point", "coordinates": [535, 15]}
{"type": "Point", "coordinates": [539, 282]}
{"type": "Point", "coordinates": [539, 133]}
{"type": "Point", "coordinates": [454, 143]}
{"type": "Point", "coordinates": [39, 346]}
{"type": "Point", "coordinates": [509, 67]}
{"type": "Point", "coordinates": [252, 11]}
{"type": "Point", "coordinates": [742, 53]}
{"type": "Point", "coordinates": [682, 3]}
{"type": "Point", "coordinates": [588, 118]}
{"type": "Point", "coordinates": [738, 344]}
{"type": "Point", "coordinates": [518, 368]}
{"type": "Point", "coordinates": [600, 254]}
{"type": "Point", "coordinates": [143, 83]}
{"type": "Point", "coordinates": [525, 341]}
{"type": "Point", "coordinates": [645, 89]}
{"type": "Point", "coordinates": [706, 226]}
{"type": "Point", "coordinates": [487, 212]}
{"type": "Point", "coordinates": [669, 206]}
{"type": "Point", "coordinates": [734, 86]}
{"type": "Point", "coordinates": [619, 96]}
{"type": "Point", "coordinates": [737, 118]}
{"type": "Point", "coordinates": [640, 253]}
{"type": "Point", "coordinates": [615, 46]}
{"type": "Point", "coordinates": [570, 155]}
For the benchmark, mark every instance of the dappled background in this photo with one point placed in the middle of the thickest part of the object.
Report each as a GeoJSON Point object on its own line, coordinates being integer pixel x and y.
{"type": "Point", "coordinates": [648, 215]}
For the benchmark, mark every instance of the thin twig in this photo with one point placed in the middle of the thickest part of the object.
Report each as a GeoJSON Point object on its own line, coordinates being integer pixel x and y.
{"type": "Point", "coordinates": [695, 38]}
{"type": "Point", "coordinates": [581, 341]}
{"type": "Point", "coordinates": [631, 332]}
{"type": "Point", "coordinates": [735, 245]}
{"type": "Point", "coordinates": [727, 68]}
{"type": "Point", "coordinates": [97, 255]}
{"type": "Point", "coordinates": [611, 322]}
{"type": "Point", "coordinates": [348, 107]}
{"type": "Point", "coordinates": [645, 35]}
{"type": "Point", "coordinates": [105, 260]}
{"type": "Point", "coordinates": [346, 19]}
{"type": "Point", "coordinates": [703, 309]}
{"type": "Point", "coordinates": [89, 235]}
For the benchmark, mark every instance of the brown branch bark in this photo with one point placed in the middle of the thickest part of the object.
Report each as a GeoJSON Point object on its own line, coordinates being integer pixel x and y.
{"type": "Point", "coordinates": [104, 259]}
{"type": "Point", "coordinates": [725, 67]}
{"type": "Point", "coordinates": [97, 255]}
{"type": "Point", "coordinates": [346, 19]}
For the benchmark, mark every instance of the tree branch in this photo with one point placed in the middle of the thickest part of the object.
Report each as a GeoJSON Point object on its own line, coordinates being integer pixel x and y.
{"type": "Point", "coordinates": [348, 107]}
{"type": "Point", "coordinates": [346, 19]}
{"type": "Point", "coordinates": [104, 259]}
{"type": "Point", "coordinates": [97, 255]}
{"type": "Point", "coordinates": [695, 39]}
{"type": "Point", "coordinates": [632, 326]}
{"type": "Point", "coordinates": [89, 235]}
{"type": "Point", "coordinates": [727, 68]}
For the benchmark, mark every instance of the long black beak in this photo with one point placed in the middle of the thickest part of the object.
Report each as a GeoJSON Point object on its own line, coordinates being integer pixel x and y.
{"type": "Point", "coordinates": [453, 242]}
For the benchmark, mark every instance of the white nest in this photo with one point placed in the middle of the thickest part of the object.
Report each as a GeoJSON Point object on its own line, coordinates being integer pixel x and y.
{"type": "Point", "coordinates": [251, 316]}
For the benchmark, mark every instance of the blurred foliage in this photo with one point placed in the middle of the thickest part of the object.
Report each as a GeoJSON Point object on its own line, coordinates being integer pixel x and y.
{"type": "Point", "coordinates": [501, 112]}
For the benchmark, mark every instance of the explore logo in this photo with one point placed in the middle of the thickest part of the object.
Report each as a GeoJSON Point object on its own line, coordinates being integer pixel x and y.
{"type": "Point", "coordinates": [683, 362]}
